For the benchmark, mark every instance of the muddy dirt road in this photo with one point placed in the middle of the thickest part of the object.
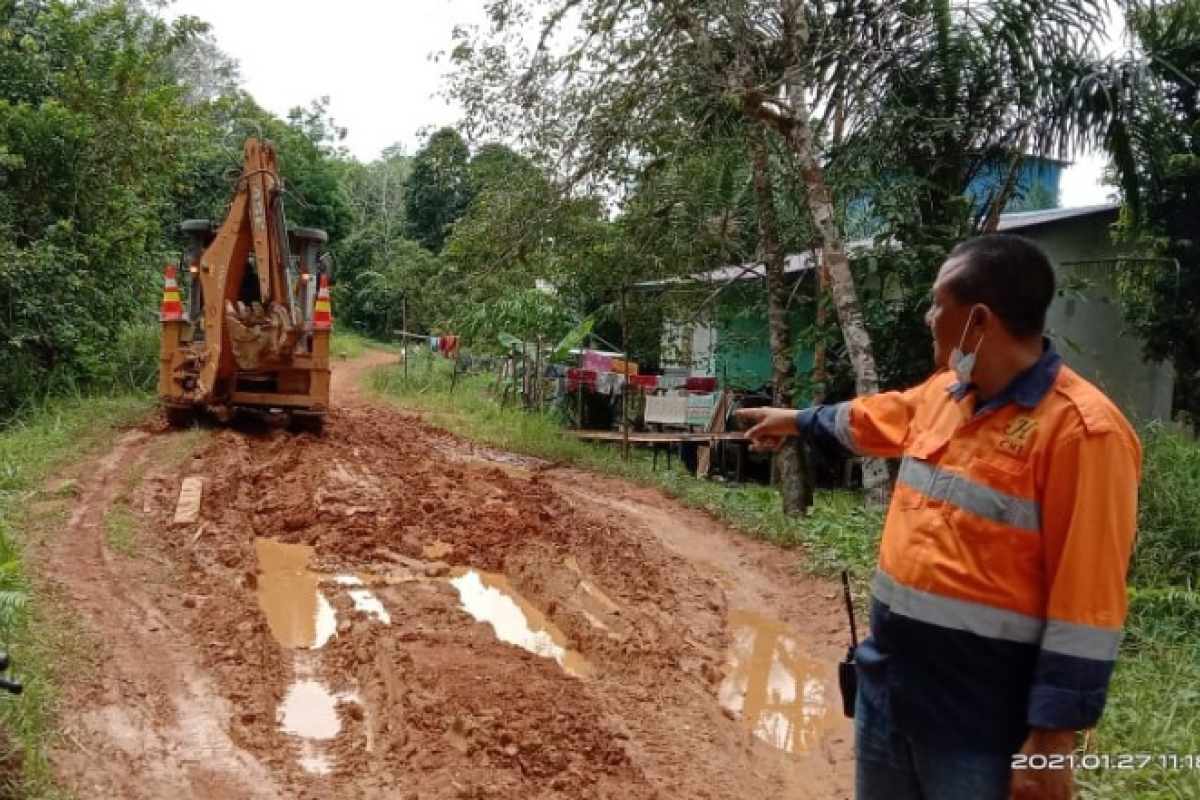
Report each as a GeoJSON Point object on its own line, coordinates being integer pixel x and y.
{"type": "Point", "coordinates": [387, 611]}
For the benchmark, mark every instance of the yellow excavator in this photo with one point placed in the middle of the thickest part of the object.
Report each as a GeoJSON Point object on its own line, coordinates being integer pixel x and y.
{"type": "Point", "coordinates": [247, 323]}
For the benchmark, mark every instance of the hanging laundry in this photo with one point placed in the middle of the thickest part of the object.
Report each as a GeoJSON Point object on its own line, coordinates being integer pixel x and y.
{"type": "Point", "coordinates": [449, 346]}
{"type": "Point", "coordinates": [597, 361]}
{"type": "Point", "coordinates": [581, 379]}
{"type": "Point", "coordinates": [610, 383]}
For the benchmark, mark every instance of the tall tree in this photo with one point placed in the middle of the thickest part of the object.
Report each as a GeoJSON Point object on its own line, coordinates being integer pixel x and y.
{"type": "Point", "coordinates": [1146, 108]}
{"type": "Point", "coordinates": [519, 233]}
{"type": "Point", "coordinates": [438, 188]}
{"type": "Point", "coordinates": [796, 489]}
{"type": "Point", "coordinates": [931, 97]}
{"type": "Point", "coordinates": [92, 127]}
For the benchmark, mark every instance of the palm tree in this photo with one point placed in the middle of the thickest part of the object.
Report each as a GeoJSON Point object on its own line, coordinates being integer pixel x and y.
{"type": "Point", "coordinates": [1143, 109]}
{"type": "Point", "coordinates": [924, 99]}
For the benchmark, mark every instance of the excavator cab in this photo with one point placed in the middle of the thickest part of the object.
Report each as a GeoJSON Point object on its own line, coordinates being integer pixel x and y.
{"type": "Point", "coordinates": [255, 330]}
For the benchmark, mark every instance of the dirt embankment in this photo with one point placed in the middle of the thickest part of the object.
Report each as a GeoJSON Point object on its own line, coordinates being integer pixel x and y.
{"type": "Point", "coordinates": [662, 655]}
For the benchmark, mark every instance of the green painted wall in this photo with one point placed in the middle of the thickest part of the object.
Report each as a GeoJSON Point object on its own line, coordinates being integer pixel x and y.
{"type": "Point", "coordinates": [743, 350]}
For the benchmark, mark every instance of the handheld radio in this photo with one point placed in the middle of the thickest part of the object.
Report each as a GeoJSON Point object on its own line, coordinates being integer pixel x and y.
{"type": "Point", "coordinates": [847, 674]}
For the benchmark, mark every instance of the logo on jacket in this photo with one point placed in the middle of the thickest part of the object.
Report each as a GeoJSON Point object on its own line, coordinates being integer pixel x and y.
{"type": "Point", "coordinates": [1016, 435]}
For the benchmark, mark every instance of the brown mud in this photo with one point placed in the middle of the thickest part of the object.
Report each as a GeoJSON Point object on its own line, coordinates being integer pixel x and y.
{"type": "Point", "coordinates": [387, 611]}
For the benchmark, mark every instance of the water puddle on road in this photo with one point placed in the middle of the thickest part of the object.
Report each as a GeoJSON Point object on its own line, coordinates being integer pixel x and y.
{"type": "Point", "coordinates": [299, 615]}
{"type": "Point", "coordinates": [490, 598]}
{"type": "Point", "coordinates": [779, 693]}
{"type": "Point", "coordinates": [364, 601]}
{"type": "Point", "coordinates": [309, 712]}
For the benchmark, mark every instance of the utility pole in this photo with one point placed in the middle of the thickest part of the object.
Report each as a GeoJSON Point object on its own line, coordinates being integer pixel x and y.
{"type": "Point", "coordinates": [625, 383]}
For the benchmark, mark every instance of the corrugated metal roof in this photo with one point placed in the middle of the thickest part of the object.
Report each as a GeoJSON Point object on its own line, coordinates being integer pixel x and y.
{"type": "Point", "coordinates": [796, 262]}
{"type": "Point", "coordinates": [801, 262]}
{"type": "Point", "coordinates": [1028, 219]}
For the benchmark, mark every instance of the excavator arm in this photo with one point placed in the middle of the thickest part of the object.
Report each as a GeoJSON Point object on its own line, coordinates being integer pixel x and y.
{"type": "Point", "coordinates": [254, 342]}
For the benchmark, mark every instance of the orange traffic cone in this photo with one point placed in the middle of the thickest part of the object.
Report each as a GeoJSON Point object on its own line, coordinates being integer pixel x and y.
{"type": "Point", "coordinates": [322, 311]}
{"type": "Point", "coordinates": [172, 305]}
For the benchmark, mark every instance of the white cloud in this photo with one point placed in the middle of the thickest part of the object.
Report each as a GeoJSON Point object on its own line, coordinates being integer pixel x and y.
{"type": "Point", "coordinates": [372, 58]}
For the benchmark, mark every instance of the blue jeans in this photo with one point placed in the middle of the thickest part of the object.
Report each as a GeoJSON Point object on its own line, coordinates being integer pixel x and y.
{"type": "Point", "coordinates": [891, 766]}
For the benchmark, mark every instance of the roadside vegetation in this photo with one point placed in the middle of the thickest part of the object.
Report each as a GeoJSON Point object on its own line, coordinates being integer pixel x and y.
{"type": "Point", "coordinates": [41, 640]}
{"type": "Point", "coordinates": [1154, 706]}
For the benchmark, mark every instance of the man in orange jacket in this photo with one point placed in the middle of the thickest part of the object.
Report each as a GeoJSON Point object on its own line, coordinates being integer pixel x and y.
{"type": "Point", "coordinates": [1000, 593]}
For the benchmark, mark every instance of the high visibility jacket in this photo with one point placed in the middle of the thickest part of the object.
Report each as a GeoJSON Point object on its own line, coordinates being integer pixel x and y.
{"type": "Point", "coordinates": [1000, 591]}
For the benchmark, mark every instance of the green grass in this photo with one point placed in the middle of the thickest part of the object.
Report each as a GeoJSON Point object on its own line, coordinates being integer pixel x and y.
{"type": "Point", "coordinates": [34, 628]}
{"type": "Point", "coordinates": [1154, 703]}
{"type": "Point", "coordinates": [1168, 550]}
{"type": "Point", "coordinates": [347, 344]}
{"type": "Point", "coordinates": [120, 530]}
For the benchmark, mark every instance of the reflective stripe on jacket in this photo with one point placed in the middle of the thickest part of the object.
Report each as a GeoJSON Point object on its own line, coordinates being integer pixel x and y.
{"type": "Point", "coordinates": [1000, 592]}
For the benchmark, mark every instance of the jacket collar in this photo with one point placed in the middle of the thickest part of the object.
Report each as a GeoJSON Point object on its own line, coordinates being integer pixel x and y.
{"type": "Point", "coordinates": [1027, 389]}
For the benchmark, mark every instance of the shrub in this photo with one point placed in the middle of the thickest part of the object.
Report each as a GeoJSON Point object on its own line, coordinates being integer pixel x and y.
{"type": "Point", "coordinates": [1168, 546]}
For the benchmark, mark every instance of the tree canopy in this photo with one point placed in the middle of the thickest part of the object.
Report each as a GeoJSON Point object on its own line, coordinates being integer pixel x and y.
{"type": "Point", "coordinates": [623, 142]}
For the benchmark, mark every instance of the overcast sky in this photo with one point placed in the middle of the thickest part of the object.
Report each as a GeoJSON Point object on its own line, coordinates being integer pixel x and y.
{"type": "Point", "coordinates": [372, 58]}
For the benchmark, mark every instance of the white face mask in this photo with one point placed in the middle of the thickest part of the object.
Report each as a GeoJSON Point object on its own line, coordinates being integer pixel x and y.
{"type": "Point", "coordinates": [962, 363]}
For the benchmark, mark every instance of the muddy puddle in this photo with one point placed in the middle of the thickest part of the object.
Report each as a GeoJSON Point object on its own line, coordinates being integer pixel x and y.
{"type": "Point", "coordinates": [364, 600]}
{"type": "Point", "coordinates": [302, 617]}
{"type": "Point", "coordinates": [772, 686]}
{"type": "Point", "coordinates": [490, 598]}
{"type": "Point", "coordinates": [777, 691]}
{"type": "Point", "coordinates": [298, 613]}
{"type": "Point", "coordinates": [296, 600]}
{"type": "Point", "coordinates": [309, 713]}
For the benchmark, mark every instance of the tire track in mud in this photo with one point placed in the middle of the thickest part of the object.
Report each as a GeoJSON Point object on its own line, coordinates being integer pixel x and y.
{"type": "Point", "coordinates": [199, 692]}
{"type": "Point", "coordinates": [153, 722]}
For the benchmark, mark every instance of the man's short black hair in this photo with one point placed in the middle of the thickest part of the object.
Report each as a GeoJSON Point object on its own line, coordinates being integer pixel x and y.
{"type": "Point", "coordinates": [1010, 275]}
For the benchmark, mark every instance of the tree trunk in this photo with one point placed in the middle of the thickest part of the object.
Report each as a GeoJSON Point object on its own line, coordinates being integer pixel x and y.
{"type": "Point", "coordinates": [797, 129]}
{"type": "Point", "coordinates": [625, 383]}
{"type": "Point", "coordinates": [789, 116]}
{"type": "Point", "coordinates": [820, 357]}
{"type": "Point", "coordinates": [795, 488]}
